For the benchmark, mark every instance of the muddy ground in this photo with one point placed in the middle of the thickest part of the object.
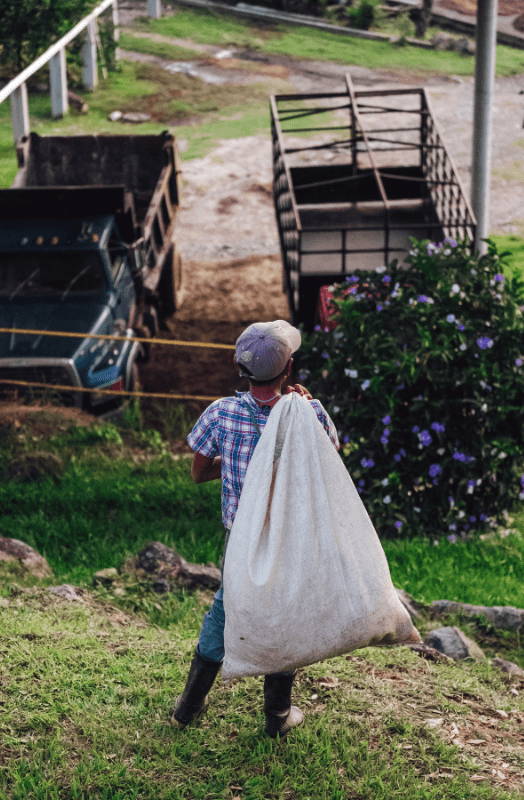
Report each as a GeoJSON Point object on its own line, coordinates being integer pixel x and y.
{"type": "Point", "coordinates": [226, 230]}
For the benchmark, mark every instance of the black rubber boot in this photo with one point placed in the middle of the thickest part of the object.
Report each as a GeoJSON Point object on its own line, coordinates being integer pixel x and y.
{"type": "Point", "coordinates": [193, 700]}
{"type": "Point", "coordinates": [281, 716]}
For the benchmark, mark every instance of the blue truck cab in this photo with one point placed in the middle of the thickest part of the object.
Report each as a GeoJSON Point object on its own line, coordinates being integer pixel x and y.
{"type": "Point", "coordinates": [85, 260]}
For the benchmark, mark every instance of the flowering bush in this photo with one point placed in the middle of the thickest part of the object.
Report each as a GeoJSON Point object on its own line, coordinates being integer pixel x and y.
{"type": "Point", "coordinates": [422, 374]}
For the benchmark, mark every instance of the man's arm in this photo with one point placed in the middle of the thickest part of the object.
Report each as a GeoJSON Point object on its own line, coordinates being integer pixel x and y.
{"type": "Point", "coordinates": [205, 469]}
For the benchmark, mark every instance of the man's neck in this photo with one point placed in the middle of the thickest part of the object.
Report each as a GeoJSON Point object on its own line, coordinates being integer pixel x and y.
{"type": "Point", "coordinates": [266, 395]}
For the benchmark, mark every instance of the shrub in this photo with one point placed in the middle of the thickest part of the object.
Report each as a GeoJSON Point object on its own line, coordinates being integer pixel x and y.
{"type": "Point", "coordinates": [362, 15]}
{"type": "Point", "coordinates": [423, 377]}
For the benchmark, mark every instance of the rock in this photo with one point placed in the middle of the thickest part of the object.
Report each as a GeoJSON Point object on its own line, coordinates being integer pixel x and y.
{"type": "Point", "coordinates": [35, 466]}
{"type": "Point", "coordinates": [77, 102]}
{"type": "Point", "coordinates": [409, 604]}
{"type": "Point", "coordinates": [105, 577]}
{"type": "Point", "coordinates": [461, 44]}
{"type": "Point", "coordinates": [136, 117]}
{"type": "Point", "coordinates": [14, 550]}
{"type": "Point", "coordinates": [169, 570]}
{"type": "Point", "coordinates": [454, 643]}
{"type": "Point", "coordinates": [513, 670]}
{"type": "Point", "coordinates": [114, 116]}
{"type": "Point", "coordinates": [68, 592]}
{"type": "Point", "coordinates": [507, 617]}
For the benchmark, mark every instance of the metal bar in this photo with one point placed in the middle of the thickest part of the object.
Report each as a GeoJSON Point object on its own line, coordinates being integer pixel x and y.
{"type": "Point", "coordinates": [154, 9]}
{"type": "Point", "coordinates": [485, 59]}
{"type": "Point", "coordinates": [42, 60]}
{"type": "Point", "coordinates": [90, 70]}
{"type": "Point", "coordinates": [368, 109]}
{"type": "Point", "coordinates": [280, 138]}
{"type": "Point", "coordinates": [115, 16]}
{"type": "Point", "coordinates": [20, 113]}
{"type": "Point", "coordinates": [386, 92]}
{"type": "Point", "coordinates": [333, 181]}
{"type": "Point", "coordinates": [325, 146]}
{"type": "Point", "coordinates": [58, 85]}
{"type": "Point", "coordinates": [279, 98]}
{"type": "Point", "coordinates": [304, 112]}
{"type": "Point", "coordinates": [313, 130]}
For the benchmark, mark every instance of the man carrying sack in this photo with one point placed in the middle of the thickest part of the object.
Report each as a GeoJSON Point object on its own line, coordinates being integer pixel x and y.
{"type": "Point", "coordinates": [224, 440]}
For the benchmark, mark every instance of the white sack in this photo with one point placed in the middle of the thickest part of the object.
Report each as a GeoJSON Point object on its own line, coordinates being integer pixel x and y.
{"type": "Point", "coordinates": [305, 576]}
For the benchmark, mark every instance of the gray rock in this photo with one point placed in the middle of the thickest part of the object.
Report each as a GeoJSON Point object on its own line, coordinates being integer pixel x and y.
{"type": "Point", "coordinates": [114, 116]}
{"type": "Point", "coordinates": [13, 550]}
{"type": "Point", "coordinates": [68, 592]}
{"type": "Point", "coordinates": [454, 643]}
{"type": "Point", "coordinates": [169, 570]}
{"type": "Point", "coordinates": [509, 667]}
{"type": "Point", "coordinates": [105, 577]}
{"type": "Point", "coordinates": [136, 117]}
{"type": "Point", "coordinates": [506, 617]}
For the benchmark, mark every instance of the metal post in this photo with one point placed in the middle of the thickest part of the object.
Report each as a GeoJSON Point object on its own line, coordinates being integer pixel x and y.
{"type": "Point", "coordinates": [20, 113]}
{"type": "Point", "coordinates": [485, 59]}
{"type": "Point", "coordinates": [90, 70]}
{"type": "Point", "coordinates": [154, 8]}
{"type": "Point", "coordinates": [58, 84]}
{"type": "Point", "coordinates": [116, 27]}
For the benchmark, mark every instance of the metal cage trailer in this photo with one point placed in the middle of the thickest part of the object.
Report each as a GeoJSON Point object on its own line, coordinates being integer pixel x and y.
{"type": "Point", "coordinates": [87, 247]}
{"type": "Point", "coordinates": [356, 174]}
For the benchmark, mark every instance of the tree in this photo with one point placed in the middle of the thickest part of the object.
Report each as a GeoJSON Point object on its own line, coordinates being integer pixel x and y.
{"type": "Point", "coordinates": [30, 26]}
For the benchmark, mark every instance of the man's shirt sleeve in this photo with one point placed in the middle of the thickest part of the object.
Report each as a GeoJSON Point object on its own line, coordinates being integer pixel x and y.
{"type": "Point", "coordinates": [202, 438]}
{"type": "Point", "coordinates": [327, 422]}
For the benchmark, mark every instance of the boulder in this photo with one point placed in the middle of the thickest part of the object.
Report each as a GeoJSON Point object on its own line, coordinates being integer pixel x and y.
{"type": "Point", "coordinates": [15, 551]}
{"type": "Point", "coordinates": [454, 643]}
{"type": "Point", "coordinates": [411, 605]}
{"type": "Point", "coordinates": [510, 668]}
{"type": "Point", "coordinates": [168, 570]}
{"type": "Point", "coordinates": [507, 617]}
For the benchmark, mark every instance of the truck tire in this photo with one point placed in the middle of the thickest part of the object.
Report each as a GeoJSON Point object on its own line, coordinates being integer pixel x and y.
{"type": "Point", "coordinates": [170, 283]}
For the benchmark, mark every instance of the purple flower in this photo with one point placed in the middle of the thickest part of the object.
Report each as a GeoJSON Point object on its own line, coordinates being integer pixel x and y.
{"type": "Point", "coordinates": [386, 420]}
{"type": "Point", "coordinates": [386, 279]}
{"type": "Point", "coordinates": [472, 518]}
{"type": "Point", "coordinates": [415, 429]}
{"type": "Point", "coordinates": [402, 452]}
{"type": "Point", "coordinates": [379, 306]}
{"type": "Point", "coordinates": [499, 277]}
{"type": "Point", "coordinates": [451, 318]}
{"type": "Point", "coordinates": [522, 481]}
{"type": "Point", "coordinates": [438, 427]}
{"type": "Point", "coordinates": [460, 326]}
{"type": "Point", "coordinates": [484, 342]}
{"type": "Point", "coordinates": [425, 438]}
{"type": "Point", "coordinates": [451, 500]}
{"type": "Point", "coordinates": [458, 456]}
{"type": "Point", "coordinates": [384, 440]}
{"type": "Point", "coordinates": [450, 242]}
{"type": "Point", "coordinates": [398, 524]}
{"type": "Point", "coordinates": [472, 483]}
{"type": "Point", "coordinates": [325, 354]}
{"type": "Point", "coordinates": [518, 362]}
{"type": "Point", "coordinates": [362, 483]}
{"type": "Point", "coordinates": [352, 279]}
{"type": "Point", "coordinates": [434, 470]}
{"type": "Point", "coordinates": [423, 298]}
{"type": "Point", "coordinates": [345, 438]}
{"type": "Point", "coordinates": [397, 457]}
{"type": "Point", "coordinates": [453, 538]}
{"type": "Point", "coordinates": [317, 328]}
{"type": "Point", "coordinates": [303, 374]}
{"type": "Point", "coordinates": [483, 517]}
{"type": "Point", "coordinates": [367, 463]}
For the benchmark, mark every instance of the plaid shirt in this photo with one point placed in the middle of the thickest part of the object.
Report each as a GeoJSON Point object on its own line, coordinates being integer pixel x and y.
{"type": "Point", "coordinates": [226, 429]}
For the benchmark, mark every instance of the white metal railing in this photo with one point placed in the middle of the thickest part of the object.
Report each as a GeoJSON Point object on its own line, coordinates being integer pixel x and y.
{"type": "Point", "coordinates": [55, 56]}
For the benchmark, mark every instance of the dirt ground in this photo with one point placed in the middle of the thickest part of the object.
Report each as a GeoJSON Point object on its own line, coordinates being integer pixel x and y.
{"type": "Point", "coordinates": [226, 229]}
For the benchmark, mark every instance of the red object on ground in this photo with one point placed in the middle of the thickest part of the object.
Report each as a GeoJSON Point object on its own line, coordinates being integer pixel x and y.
{"type": "Point", "coordinates": [326, 309]}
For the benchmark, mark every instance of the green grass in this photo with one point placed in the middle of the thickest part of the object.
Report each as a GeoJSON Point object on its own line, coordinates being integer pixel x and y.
{"type": "Point", "coordinates": [514, 246]}
{"type": "Point", "coordinates": [308, 43]}
{"type": "Point", "coordinates": [140, 44]}
{"type": "Point", "coordinates": [86, 693]}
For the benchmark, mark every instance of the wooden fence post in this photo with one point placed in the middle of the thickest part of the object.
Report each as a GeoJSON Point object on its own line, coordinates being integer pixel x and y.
{"type": "Point", "coordinates": [154, 8]}
{"type": "Point", "coordinates": [90, 69]}
{"type": "Point", "coordinates": [20, 113]}
{"type": "Point", "coordinates": [58, 84]}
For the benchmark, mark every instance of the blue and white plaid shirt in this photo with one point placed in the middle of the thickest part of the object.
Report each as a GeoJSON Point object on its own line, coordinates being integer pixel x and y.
{"type": "Point", "coordinates": [226, 429]}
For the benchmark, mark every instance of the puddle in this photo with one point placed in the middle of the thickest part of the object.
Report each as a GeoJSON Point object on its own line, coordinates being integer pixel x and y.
{"type": "Point", "coordinates": [206, 74]}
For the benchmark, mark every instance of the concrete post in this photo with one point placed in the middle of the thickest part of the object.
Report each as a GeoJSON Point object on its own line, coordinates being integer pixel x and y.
{"type": "Point", "coordinates": [154, 8]}
{"type": "Point", "coordinates": [90, 69]}
{"type": "Point", "coordinates": [20, 113]}
{"type": "Point", "coordinates": [58, 84]}
{"type": "Point", "coordinates": [116, 27]}
{"type": "Point", "coordinates": [485, 59]}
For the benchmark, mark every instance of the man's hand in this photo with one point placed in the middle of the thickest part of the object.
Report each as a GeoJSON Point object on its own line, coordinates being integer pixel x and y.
{"type": "Point", "coordinates": [301, 390]}
{"type": "Point", "coordinates": [205, 469]}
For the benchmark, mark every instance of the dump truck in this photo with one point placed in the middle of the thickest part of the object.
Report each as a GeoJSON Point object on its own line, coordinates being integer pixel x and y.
{"type": "Point", "coordinates": [356, 174]}
{"type": "Point", "coordinates": [87, 247]}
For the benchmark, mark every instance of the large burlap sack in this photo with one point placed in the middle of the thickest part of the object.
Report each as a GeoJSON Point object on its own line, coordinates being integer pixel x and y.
{"type": "Point", "coordinates": [305, 576]}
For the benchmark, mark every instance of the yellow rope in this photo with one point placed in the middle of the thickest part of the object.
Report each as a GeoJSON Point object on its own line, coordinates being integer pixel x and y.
{"type": "Point", "coordinates": [67, 334]}
{"type": "Point", "coordinates": [61, 388]}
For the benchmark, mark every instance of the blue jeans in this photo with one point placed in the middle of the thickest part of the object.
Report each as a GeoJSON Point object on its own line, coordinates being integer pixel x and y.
{"type": "Point", "coordinates": [211, 640]}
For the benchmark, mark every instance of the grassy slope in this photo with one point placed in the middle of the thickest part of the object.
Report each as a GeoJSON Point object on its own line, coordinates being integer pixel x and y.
{"type": "Point", "coordinates": [97, 685]}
